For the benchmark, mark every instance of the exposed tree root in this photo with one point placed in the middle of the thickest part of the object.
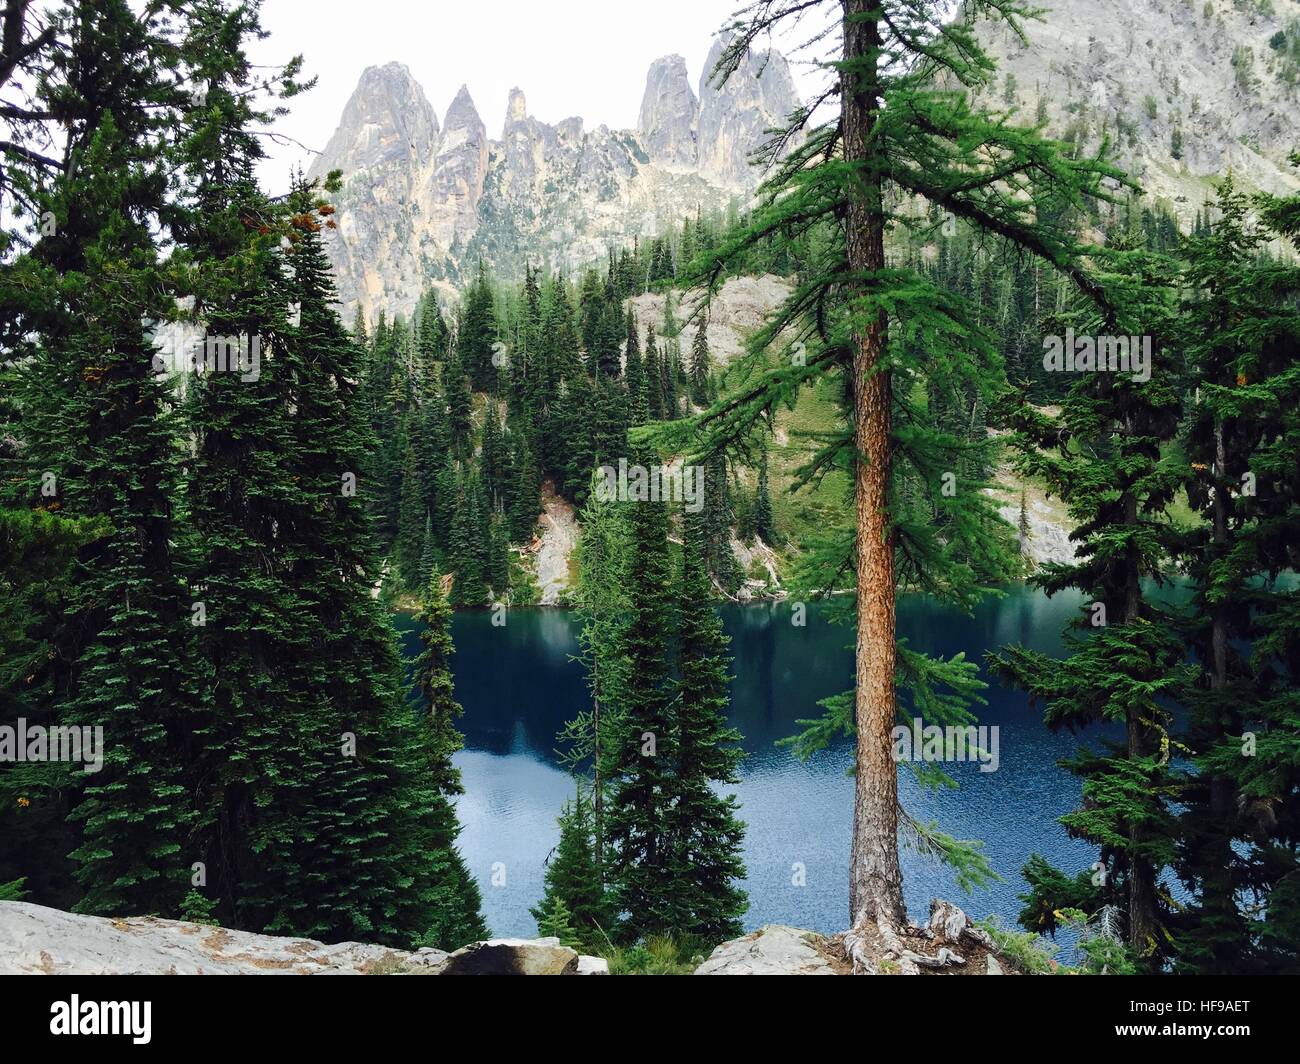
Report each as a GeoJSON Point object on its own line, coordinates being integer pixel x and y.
{"type": "Point", "coordinates": [885, 949]}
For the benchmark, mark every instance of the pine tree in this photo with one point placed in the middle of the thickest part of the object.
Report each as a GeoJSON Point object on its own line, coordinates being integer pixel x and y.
{"type": "Point", "coordinates": [457, 919]}
{"type": "Point", "coordinates": [897, 134]}
{"type": "Point", "coordinates": [573, 882]}
{"type": "Point", "coordinates": [704, 826]}
{"type": "Point", "coordinates": [1129, 664]}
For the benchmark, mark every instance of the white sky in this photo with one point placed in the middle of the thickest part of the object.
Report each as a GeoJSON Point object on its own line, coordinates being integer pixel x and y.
{"type": "Point", "coordinates": [570, 57]}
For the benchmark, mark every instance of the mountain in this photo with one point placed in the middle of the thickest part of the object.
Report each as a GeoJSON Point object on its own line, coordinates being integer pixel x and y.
{"type": "Point", "coordinates": [1186, 91]}
{"type": "Point", "coordinates": [422, 202]}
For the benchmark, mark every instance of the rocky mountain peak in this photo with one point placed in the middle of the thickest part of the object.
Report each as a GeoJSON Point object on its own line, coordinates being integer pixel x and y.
{"type": "Point", "coordinates": [420, 204]}
{"type": "Point", "coordinates": [736, 115]}
{"type": "Point", "coordinates": [387, 120]}
{"type": "Point", "coordinates": [670, 113]}
{"type": "Point", "coordinates": [517, 108]}
{"type": "Point", "coordinates": [462, 114]}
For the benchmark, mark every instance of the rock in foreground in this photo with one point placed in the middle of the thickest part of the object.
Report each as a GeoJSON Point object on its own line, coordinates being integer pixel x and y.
{"type": "Point", "coordinates": [35, 940]}
{"type": "Point", "coordinates": [771, 950]}
{"type": "Point", "coordinates": [948, 944]}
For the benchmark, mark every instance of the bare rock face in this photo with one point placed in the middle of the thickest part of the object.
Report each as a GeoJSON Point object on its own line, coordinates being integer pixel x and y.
{"type": "Point", "coordinates": [386, 135]}
{"type": "Point", "coordinates": [1183, 92]}
{"type": "Point", "coordinates": [559, 535]}
{"type": "Point", "coordinates": [459, 170]}
{"type": "Point", "coordinates": [739, 307]}
{"type": "Point", "coordinates": [387, 123]}
{"type": "Point", "coordinates": [771, 950]}
{"type": "Point", "coordinates": [35, 940]}
{"type": "Point", "coordinates": [735, 116]}
{"type": "Point", "coordinates": [669, 113]}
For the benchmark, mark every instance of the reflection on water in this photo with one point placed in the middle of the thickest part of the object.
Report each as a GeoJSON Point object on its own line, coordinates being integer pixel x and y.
{"type": "Point", "coordinates": [520, 683]}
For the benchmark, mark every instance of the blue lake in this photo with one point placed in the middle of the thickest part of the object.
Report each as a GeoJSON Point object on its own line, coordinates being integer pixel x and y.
{"type": "Point", "coordinates": [519, 683]}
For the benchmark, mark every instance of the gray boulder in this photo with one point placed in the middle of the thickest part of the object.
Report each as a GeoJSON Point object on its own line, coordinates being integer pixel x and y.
{"type": "Point", "coordinates": [35, 940]}
{"type": "Point", "coordinates": [771, 950]}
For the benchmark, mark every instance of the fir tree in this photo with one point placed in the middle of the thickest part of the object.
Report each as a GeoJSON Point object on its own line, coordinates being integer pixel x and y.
{"type": "Point", "coordinates": [641, 751]}
{"type": "Point", "coordinates": [1242, 338]}
{"type": "Point", "coordinates": [477, 336]}
{"type": "Point", "coordinates": [763, 519]}
{"type": "Point", "coordinates": [897, 133]}
{"type": "Point", "coordinates": [410, 531]}
{"type": "Point", "coordinates": [705, 828]}
{"type": "Point", "coordinates": [573, 881]}
{"type": "Point", "coordinates": [699, 372]}
{"type": "Point", "coordinates": [97, 419]}
{"type": "Point", "coordinates": [1128, 665]}
{"type": "Point", "coordinates": [457, 917]}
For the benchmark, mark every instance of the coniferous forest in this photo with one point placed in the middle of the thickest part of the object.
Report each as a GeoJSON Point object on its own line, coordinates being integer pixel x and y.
{"type": "Point", "coordinates": [992, 359]}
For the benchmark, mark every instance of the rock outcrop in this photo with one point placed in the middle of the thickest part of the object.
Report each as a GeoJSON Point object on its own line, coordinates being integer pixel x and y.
{"type": "Point", "coordinates": [739, 307]}
{"type": "Point", "coordinates": [459, 171]}
{"type": "Point", "coordinates": [1183, 92]}
{"type": "Point", "coordinates": [559, 535]}
{"type": "Point", "coordinates": [670, 114]}
{"type": "Point", "coordinates": [948, 944]}
{"type": "Point", "coordinates": [736, 114]}
{"type": "Point", "coordinates": [772, 950]}
{"type": "Point", "coordinates": [35, 940]}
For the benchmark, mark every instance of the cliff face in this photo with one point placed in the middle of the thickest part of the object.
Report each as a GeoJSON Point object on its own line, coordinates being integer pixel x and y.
{"type": "Point", "coordinates": [422, 202]}
{"type": "Point", "coordinates": [1185, 91]}
{"type": "Point", "coordinates": [735, 116]}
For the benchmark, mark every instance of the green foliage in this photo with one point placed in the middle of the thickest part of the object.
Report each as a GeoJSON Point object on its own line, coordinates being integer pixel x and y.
{"type": "Point", "coordinates": [656, 955]}
{"type": "Point", "coordinates": [574, 905]}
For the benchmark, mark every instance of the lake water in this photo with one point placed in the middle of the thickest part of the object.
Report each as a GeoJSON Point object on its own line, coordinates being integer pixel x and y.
{"type": "Point", "coordinates": [519, 684]}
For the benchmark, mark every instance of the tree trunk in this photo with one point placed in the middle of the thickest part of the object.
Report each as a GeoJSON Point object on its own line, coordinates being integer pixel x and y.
{"type": "Point", "coordinates": [876, 881]}
{"type": "Point", "coordinates": [1143, 907]}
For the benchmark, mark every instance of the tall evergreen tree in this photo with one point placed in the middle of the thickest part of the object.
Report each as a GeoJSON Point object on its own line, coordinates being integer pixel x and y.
{"type": "Point", "coordinates": [642, 748]}
{"type": "Point", "coordinates": [699, 372]}
{"type": "Point", "coordinates": [705, 827]}
{"type": "Point", "coordinates": [897, 133]}
{"type": "Point", "coordinates": [573, 882]}
{"type": "Point", "coordinates": [478, 333]}
{"type": "Point", "coordinates": [1237, 847]}
{"type": "Point", "coordinates": [1128, 665]}
{"type": "Point", "coordinates": [456, 904]}
{"type": "Point", "coordinates": [101, 441]}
